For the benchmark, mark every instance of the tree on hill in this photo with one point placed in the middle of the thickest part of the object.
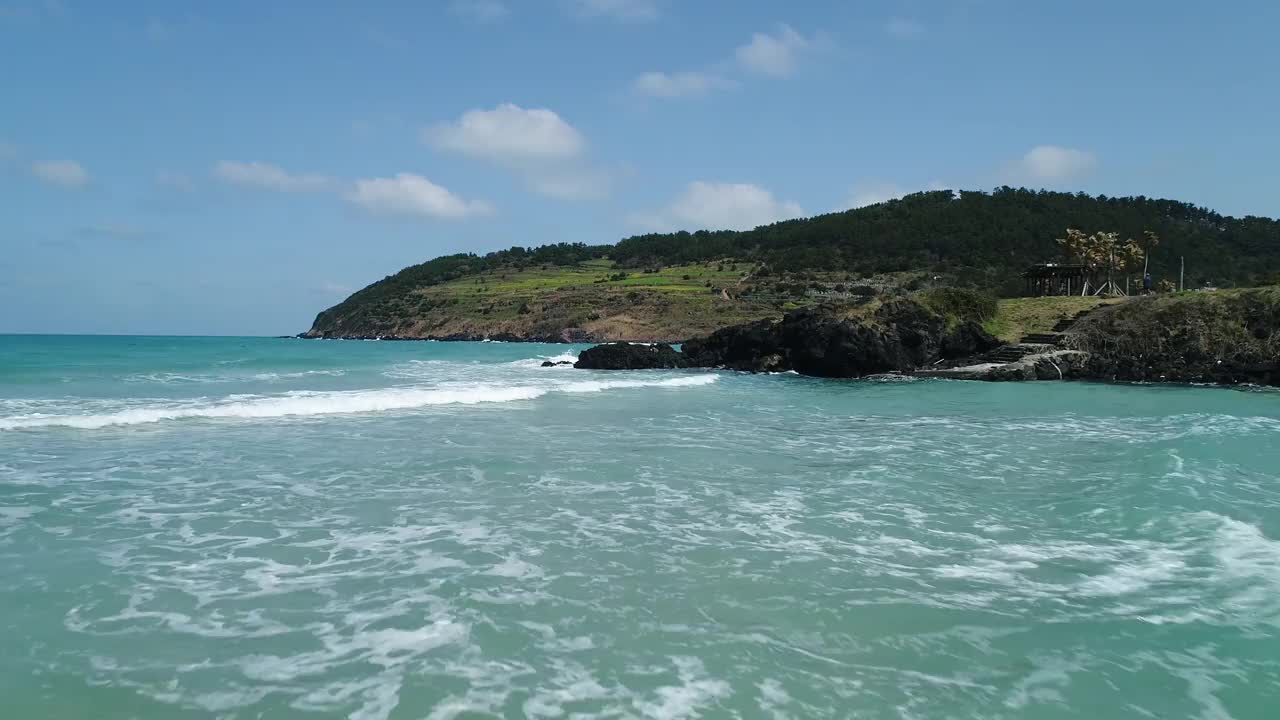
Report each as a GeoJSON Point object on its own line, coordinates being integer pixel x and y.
{"type": "Point", "coordinates": [983, 239]}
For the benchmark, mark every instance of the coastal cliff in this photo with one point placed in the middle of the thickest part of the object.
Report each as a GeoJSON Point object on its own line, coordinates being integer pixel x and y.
{"type": "Point", "coordinates": [897, 335]}
{"type": "Point", "coordinates": [1222, 337]}
{"type": "Point", "coordinates": [1226, 336]}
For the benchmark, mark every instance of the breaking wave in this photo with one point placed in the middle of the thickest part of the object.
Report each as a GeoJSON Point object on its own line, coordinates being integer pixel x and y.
{"type": "Point", "coordinates": [305, 403]}
{"type": "Point", "coordinates": [172, 378]}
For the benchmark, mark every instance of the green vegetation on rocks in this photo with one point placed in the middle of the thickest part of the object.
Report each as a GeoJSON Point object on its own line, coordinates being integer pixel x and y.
{"type": "Point", "coordinates": [1225, 336]}
{"type": "Point", "coordinates": [679, 285]}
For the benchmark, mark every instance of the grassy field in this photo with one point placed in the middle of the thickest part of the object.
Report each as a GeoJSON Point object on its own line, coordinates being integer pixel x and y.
{"type": "Point", "coordinates": [669, 304]}
{"type": "Point", "coordinates": [532, 282]}
{"type": "Point", "coordinates": [1020, 316]}
{"type": "Point", "coordinates": [608, 302]}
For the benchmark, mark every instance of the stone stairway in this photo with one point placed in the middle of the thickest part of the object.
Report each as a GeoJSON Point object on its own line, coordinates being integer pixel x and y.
{"type": "Point", "coordinates": [1016, 351]}
{"type": "Point", "coordinates": [1065, 323]}
{"type": "Point", "coordinates": [1054, 336]}
{"type": "Point", "coordinates": [1050, 338]}
{"type": "Point", "coordinates": [1039, 356]}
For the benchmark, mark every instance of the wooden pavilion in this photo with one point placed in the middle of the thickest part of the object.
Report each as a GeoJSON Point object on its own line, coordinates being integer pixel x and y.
{"type": "Point", "coordinates": [1055, 279]}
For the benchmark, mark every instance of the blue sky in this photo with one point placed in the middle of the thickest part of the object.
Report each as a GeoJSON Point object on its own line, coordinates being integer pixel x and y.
{"type": "Point", "coordinates": [235, 167]}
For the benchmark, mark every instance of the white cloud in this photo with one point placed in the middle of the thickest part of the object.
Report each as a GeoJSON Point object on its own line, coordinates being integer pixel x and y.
{"type": "Point", "coordinates": [1050, 163]}
{"type": "Point", "coordinates": [903, 28]}
{"type": "Point", "coordinates": [509, 133]}
{"type": "Point", "coordinates": [617, 9]}
{"type": "Point", "coordinates": [537, 145]}
{"type": "Point", "coordinates": [408, 194]}
{"type": "Point", "coordinates": [721, 206]}
{"type": "Point", "coordinates": [772, 55]}
{"type": "Point", "coordinates": [265, 176]}
{"type": "Point", "coordinates": [63, 173]}
{"type": "Point", "coordinates": [175, 181]}
{"type": "Point", "coordinates": [480, 10]}
{"type": "Point", "coordinates": [678, 84]}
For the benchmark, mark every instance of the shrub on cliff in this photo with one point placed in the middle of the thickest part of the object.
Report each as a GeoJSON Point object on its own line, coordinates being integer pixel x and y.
{"type": "Point", "coordinates": [958, 305]}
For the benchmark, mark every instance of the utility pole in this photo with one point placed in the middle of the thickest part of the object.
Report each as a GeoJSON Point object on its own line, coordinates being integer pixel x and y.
{"type": "Point", "coordinates": [1182, 272]}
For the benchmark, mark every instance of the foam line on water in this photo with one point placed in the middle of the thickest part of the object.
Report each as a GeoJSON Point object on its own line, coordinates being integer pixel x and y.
{"type": "Point", "coordinates": [292, 404]}
{"type": "Point", "coordinates": [589, 386]}
{"type": "Point", "coordinates": [304, 403]}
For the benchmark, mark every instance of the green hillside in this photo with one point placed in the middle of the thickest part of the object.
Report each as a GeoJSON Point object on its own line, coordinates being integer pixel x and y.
{"type": "Point", "coordinates": [676, 285]}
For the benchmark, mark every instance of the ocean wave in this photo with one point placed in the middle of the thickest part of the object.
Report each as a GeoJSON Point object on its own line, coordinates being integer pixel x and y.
{"type": "Point", "coordinates": [536, 362]}
{"type": "Point", "coordinates": [420, 369]}
{"type": "Point", "coordinates": [272, 376]}
{"type": "Point", "coordinates": [170, 378]}
{"type": "Point", "coordinates": [590, 386]}
{"type": "Point", "coordinates": [291, 404]}
{"type": "Point", "coordinates": [307, 403]}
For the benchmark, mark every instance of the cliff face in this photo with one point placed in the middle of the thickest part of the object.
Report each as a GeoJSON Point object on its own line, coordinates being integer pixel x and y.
{"type": "Point", "coordinates": [899, 336]}
{"type": "Point", "coordinates": [1225, 336]}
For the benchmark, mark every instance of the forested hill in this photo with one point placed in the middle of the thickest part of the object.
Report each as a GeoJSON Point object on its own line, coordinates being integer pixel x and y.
{"type": "Point", "coordinates": [973, 238]}
{"type": "Point", "coordinates": [980, 236]}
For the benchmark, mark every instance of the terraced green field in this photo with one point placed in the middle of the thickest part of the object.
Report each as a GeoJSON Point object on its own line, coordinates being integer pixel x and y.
{"type": "Point", "coordinates": [531, 282]}
{"type": "Point", "coordinates": [599, 300]}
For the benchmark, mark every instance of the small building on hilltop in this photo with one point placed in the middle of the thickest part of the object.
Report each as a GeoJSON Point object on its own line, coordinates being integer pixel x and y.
{"type": "Point", "coordinates": [1055, 279]}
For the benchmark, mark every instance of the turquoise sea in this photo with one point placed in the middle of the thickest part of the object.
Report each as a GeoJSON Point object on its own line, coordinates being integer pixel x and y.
{"type": "Point", "coordinates": [265, 528]}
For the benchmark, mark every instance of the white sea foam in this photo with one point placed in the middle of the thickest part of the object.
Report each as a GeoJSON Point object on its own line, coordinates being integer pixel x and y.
{"type": "Point", "coordinates": [590, 386]}
{"type": "Point", "coordinates": [272, 377]}
{"type": "Point", "coordinates": [1160, 565]}
{"type": "Point", "coordinates": [170, 378]}
{"type": "Point", "coordinates": [688, 699]}
{"type": "Point", "coordinates": [1249, 564]}
{"type": "Point", "coordinates": [537, 362]}
{"type": "Point", "coordinates": [307, 403]}
{"type": "Point", "coordinates": [287, 405]}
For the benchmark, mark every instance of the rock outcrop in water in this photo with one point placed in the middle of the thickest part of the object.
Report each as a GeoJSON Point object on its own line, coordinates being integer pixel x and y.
{"type": "Point", "coordinates": [628, 356]}
{"type": "Point", "coordinates": [754, 347]}
{"type": "Point", "coordinates": [1223, 337]}
{"type": "Point", "coordinates": [899, 336]}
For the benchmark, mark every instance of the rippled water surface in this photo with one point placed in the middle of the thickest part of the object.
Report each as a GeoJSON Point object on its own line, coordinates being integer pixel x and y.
{"type": "Point", "coordinates": [253, 528]}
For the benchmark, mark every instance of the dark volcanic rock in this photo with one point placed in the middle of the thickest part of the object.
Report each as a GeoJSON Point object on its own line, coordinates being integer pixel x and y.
{"type": "Point", "coordinates": [756, 347]}
{"type": "Point", "coordinates": [625, 356]}
{"type": "Point", "coordinates": [549, 363]}
{"type": "Point", "coordinates": [825, 346]}
{"type": "Point", "coordinates": [967, 340]}
{"type": "Point", "coordinates": [902, 335]}
{"type": "Point", "coordinates": [918, 332]}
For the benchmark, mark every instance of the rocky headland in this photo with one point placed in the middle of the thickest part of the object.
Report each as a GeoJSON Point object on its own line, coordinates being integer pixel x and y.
{"type": "Point", "coordinates": [1223, 337]}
